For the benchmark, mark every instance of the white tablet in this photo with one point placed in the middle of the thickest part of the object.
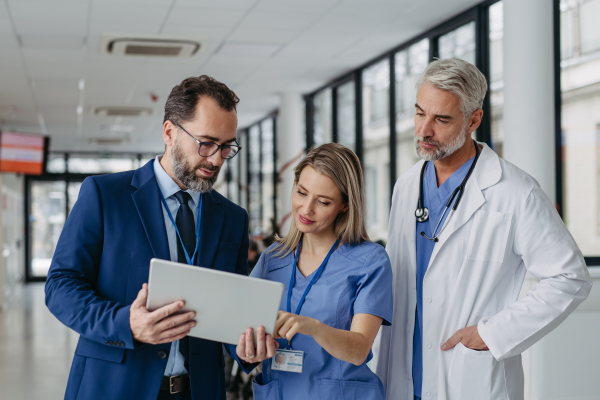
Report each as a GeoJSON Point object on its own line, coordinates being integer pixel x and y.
{"type": "Point", "coordinates": [226, 304]}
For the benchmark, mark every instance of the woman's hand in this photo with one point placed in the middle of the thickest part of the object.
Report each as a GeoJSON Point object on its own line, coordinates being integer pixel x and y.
{"type": "Point", "coordinates": [265, 346]}
{"type": "Point", "coordinates": [288, 325]}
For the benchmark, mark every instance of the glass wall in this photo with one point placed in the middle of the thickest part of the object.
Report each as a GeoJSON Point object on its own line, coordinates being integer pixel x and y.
{"type": "Point", "coordinates": [46, 220]}
{"type": "Point", "coordinates": [496, 89]}
{"type": "Point", "coordinates": [268, 171]}
{"type": "Point", "coordinates": [346, 115]}
{"type": "Point", "coordinates": [243, 170]}
{"type": "Point", "coordinates": [380, 125]}
{"type": "Point", "coordinates": [259, 158]}
{"type": "Point", "coordinates": [323, 117]}
{"type": "Point", "coordinates": [410, 63]}
{"type": "Point", "coordinates": [376, 144]}
{"type": "Point", "coordinates": [254, 192]}
{"type": "Point", "coordinates": [459, 43]}
{"type": "Point", "coordinates": [580, 87]}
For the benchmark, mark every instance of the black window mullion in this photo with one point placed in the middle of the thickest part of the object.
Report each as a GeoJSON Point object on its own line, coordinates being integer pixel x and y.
{"type": "Point", "coordinates": [309, 102]}
{"type": "Point", "coordinates": [482, 57]}
{"type": "Point", "coordinates": [392, 115]}
{"type": "Point", "coordinates": [260, 175]}
{"type": "Point", "coordinates": [358, 109]}
{"type": "Point", "coordinates": [334, 116]}
{"type": "Point", "coordinates": [275, 230]}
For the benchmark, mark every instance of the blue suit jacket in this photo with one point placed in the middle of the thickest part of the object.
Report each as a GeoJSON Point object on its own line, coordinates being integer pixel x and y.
{"type": "Point", "coordinates": [100, 263]}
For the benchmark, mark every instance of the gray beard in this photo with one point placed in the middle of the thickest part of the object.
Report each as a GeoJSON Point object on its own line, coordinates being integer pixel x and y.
{"type": "Point", "coordinates": [187, 175]}
{"type": "Point", "coordinates": [442, 151]}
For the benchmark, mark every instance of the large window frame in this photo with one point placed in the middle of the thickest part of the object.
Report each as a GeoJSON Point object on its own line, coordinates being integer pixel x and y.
{"type": "Point", "coordinates": [68, 177]}
{"type": "Point", "coordinates": [478, 14]}
{"type": "Point", "coordinates": [246, 132]}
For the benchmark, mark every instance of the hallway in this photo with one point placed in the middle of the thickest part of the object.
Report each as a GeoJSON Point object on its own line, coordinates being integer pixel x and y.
{"type": "Point", "coordinates": [35, 348]}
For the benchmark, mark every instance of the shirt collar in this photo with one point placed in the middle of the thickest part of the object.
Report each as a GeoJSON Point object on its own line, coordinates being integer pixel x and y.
{"type": "Point", "coordinates": [445, 190]}
{"type": "Point", "coordinates": [167, 185]}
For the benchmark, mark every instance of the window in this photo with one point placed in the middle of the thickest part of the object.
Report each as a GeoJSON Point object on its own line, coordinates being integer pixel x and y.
{"type": "Point", "coordinates": [410, 63]}
{"type": "Point", "coordinates": [323, 118]}
{"type": "Point", "coordinates": [346, 115]}
{"type": "Point", "coordinates": [580, 88]}
{"type": "Point", "coordinates": [243, 170]}
{"type": "Point", "coordinates": [460, 43]}
{"type": "Point", "coordinates": [254, 192]}
{"type": "Point", "coordinates": [376, 144]}
{"type": "Point", "coordinates": [496, 79]}
{"type": "Point", "coordinates": [268, 183]}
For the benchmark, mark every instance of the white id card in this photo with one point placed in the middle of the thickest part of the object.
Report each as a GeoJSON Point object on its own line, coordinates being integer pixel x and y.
{"type": "Point", "coordinates": [288, 360]}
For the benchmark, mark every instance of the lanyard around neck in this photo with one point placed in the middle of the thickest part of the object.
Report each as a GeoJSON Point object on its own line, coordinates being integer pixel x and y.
{"type": "Point", "coordinates": [189, 260]}
{"type": "Point", "coordinates": [312, 282]}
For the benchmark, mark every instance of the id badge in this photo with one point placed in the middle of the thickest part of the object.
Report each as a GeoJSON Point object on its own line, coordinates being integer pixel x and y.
{"type": "Point", "coordinates": [288, 360]}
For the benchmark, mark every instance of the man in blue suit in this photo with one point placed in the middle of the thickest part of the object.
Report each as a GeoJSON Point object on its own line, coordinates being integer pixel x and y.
{"type": "Point", "coordinates": [97, 281]}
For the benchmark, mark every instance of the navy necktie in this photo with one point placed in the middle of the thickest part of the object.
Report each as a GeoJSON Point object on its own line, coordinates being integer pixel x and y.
{"type": "Point", "coordinates": [187, 229]}
{"type": "Point", "coordinates": [186, 226]}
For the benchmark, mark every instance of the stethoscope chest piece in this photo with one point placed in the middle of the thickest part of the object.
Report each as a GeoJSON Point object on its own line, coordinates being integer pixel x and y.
{"type": "Point", "coordinates": [422, 214]}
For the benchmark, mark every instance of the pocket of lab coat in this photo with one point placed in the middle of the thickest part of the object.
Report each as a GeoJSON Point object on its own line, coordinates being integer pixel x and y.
{"type": "Point", "coordinates": [489, 235]}
{"type": "Point", "coordinates": [475, 375]}
{"type": "Point", "coordinates": [334, 389]}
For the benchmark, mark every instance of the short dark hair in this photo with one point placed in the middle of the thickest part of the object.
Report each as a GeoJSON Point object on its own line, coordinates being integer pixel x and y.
{"type": "Point", "coordinates": [181, 103]}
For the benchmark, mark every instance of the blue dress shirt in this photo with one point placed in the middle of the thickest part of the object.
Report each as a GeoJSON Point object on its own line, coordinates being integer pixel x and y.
{"type": "Point", "coordinates": [435, 200]}
{"type": "Point", "coordinates": [168, 187]}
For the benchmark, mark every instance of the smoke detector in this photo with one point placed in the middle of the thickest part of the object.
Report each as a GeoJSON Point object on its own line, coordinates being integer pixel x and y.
{"type": "Point", "coordinates": [150, 45]}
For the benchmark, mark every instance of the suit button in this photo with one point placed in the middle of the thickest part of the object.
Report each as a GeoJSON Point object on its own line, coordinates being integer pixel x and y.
{"type": "Point", "coordinates": [162, 354]}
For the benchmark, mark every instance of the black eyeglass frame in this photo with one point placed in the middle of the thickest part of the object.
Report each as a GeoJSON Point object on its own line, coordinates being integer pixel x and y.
{"type": "Point", "coordinates": [219, 146]}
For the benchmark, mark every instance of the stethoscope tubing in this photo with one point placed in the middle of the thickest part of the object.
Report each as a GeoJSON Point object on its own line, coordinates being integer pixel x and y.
{"type": "Point", "coordinates": [422, 213]}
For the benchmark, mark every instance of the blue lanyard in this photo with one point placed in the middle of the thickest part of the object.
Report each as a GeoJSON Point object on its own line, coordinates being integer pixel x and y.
{"type": "Point", "coordinates": [312, 282]}
{"type": "Point", "coordinates": [189, 260]}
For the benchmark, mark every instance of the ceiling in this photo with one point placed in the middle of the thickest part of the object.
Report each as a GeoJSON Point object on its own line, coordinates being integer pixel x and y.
{"type": "Point", "coordinates": [52, 61]}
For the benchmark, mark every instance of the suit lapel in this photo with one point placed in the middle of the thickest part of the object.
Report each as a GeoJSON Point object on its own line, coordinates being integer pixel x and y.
{"type": "Point", "coordinates": [210, 231]}
{"type": "Point", "coordinates": [149, 208]}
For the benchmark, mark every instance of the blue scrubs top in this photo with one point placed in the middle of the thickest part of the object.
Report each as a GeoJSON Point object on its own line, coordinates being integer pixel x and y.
{"type": "Point", "coordinates": [435, 200]}
{"type": "Point", "coordinates": [357, 279]}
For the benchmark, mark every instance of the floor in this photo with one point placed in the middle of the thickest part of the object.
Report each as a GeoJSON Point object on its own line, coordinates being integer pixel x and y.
{"type": "Point", "coordinates": [35, 348]}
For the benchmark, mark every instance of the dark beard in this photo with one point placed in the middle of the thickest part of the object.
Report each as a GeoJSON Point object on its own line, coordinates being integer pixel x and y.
{"type": "Point", "coordinates": [187, 175]}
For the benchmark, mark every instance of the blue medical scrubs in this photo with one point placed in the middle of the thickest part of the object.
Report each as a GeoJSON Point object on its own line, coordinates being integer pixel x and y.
{"type": "Point", "coordinates": [357, 279]}
{"type": "Point", "coordinates": [435, 200]}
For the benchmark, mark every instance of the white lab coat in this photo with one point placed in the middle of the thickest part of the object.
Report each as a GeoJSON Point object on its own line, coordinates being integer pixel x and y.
{"type": "Point", "coordinates": [504, 226]}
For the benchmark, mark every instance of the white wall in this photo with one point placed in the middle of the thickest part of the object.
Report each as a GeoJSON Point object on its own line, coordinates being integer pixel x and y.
{"type": "Point", "coordinates": [565, 364]}
{"type": "Point", "coordinates": [12, 235]}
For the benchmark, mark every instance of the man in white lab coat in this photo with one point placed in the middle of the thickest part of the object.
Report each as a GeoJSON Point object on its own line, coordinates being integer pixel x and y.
{"type": "Point", "coordinates": [459, 328]}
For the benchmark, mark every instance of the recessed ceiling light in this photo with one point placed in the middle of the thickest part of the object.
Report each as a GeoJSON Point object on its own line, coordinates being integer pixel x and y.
{"type": "Point", "coordinates": [249, 49]}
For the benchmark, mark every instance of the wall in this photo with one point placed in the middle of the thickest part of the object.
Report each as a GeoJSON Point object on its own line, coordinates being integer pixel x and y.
{"type": "Point", "coordinates": [564, 365]}
{"type": "Point", "coordinates": [12, 236]}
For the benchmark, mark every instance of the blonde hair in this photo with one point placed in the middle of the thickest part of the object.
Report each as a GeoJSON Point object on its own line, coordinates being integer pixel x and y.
{"type": "Point", "coordinates": [343, 167]}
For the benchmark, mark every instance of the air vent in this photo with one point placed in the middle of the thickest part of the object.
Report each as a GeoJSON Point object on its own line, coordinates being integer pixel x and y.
{"type": "Point", "coordinates": [106, 141]}
{"type": "Point", "coordinates": [123, 111]}
{"type": "Point", "coordinates": [150, 46]}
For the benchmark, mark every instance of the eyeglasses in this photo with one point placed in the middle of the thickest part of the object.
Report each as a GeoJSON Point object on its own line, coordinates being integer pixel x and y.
{"type": "Point", "coordinates": [207, 149]}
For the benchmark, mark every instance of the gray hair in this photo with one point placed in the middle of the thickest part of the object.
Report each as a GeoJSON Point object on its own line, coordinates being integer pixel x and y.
{"type": "Point", "coordinates": [460, 78]}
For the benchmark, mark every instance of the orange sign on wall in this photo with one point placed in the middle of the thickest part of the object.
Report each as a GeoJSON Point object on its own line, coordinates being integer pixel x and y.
{"type": "Point", "coordinates": [21, 153]}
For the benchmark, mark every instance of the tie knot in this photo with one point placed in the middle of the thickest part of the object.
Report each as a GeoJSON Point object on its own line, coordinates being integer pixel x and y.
{"type": "Point", "coordinates": [183, 197]}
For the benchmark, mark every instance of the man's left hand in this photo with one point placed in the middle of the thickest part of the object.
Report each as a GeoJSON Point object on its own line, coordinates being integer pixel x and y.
{"type": "Point", "coordinates": [469, 337]}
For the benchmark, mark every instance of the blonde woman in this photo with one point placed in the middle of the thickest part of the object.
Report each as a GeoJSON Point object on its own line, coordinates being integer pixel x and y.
{"type": "Point", "coordinates": [338, 287]}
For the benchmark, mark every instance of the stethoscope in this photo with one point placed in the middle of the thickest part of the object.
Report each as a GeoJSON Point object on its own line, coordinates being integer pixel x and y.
{"type": "Point", "coordinates": [422, 213]}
